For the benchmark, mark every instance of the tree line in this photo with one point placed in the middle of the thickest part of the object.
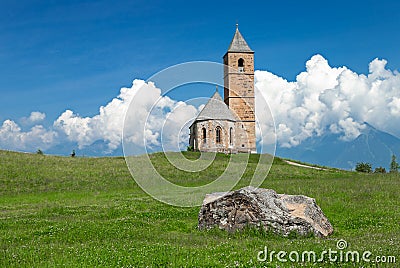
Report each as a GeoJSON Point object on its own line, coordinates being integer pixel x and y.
{"type": "Point", "coordinates": [367, 167]}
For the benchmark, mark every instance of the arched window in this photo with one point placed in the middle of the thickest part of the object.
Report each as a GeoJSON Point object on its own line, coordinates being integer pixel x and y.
{"type": "Point", "coordinates": [218, 135]}
{"type": "Point", "coordinates": [204, 132]}
{"type": "Point", "coordinates": [230, 136]}
{"type": "Point", "coordinates": [241, 65]}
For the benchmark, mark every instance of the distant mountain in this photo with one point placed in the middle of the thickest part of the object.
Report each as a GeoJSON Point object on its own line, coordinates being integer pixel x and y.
{"type": "Point", "coordinates": [373, 146]}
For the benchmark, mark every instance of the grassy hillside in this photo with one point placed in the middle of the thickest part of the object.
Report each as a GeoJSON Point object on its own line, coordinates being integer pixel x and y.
{"type": "Point", "coordinates": [59, 211]}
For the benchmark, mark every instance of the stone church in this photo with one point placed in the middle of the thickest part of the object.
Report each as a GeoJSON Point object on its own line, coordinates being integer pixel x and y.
{"type": "Point", "coordinates": [228, 125]}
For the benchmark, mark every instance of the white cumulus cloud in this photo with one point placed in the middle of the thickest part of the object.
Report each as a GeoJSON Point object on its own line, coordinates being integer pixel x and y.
{"type": "Point", "coordinates": [38, 137]}
{"type": "Point", "coordinates": [151, 115]}
{"type": "Point", "coordinates": [321, 99]}
{"type": "Point", "coordinates": [328, 98]}
{"type": "Point", "coordinates": [36, 117]}
{"type": "Point", "coordinates": [33, 118]}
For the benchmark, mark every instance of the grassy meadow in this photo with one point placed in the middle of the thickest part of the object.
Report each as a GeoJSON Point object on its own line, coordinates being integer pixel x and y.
{"type": "Point", "coordinates": [74, 212]}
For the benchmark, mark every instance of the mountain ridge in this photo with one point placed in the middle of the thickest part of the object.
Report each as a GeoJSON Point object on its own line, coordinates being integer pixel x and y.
{"type": "Point", "coordinates": [372, 145]}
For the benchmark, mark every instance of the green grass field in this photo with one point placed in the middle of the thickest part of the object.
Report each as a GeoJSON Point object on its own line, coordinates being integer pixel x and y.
{"type": "Point", "coordinates": [62, 211]}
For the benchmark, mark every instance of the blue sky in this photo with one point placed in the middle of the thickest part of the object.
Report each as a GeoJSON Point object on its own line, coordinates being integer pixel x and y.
{"type": "Point", "coordinates": [59, 55]}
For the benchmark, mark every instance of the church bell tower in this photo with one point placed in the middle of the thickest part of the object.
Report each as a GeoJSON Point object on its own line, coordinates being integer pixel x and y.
{"type": "Point", "coordinates": [239, 90]}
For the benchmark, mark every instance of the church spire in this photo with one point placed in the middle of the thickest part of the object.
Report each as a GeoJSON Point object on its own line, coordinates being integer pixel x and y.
{"type": "Point", "coordinates": [238, 44]}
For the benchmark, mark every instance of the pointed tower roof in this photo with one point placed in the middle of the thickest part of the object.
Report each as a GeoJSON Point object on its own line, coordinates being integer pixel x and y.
{"type": "Point", "coordinates": [238, 44]}
{"type": "Point", "coordinates": [216, 109]}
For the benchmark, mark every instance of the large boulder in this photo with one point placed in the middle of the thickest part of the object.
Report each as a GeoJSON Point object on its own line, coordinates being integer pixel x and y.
{"type": "Point", "coordinates": [265, 208]}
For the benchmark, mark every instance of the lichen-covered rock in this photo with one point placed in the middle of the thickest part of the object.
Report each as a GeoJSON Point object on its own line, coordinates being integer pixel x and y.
{"type": "Point", "coordinates": [263, 208]}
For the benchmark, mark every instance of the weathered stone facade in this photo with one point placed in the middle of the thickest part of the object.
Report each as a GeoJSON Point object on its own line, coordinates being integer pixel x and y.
{"type": "Point", "coordinates": [239, 90]}
{"type": "Point", "coordinates": [214, 129]}
{"type": "Point", "coordinates": [229, 125]}
{"type": "Point", "coordinates": [225, 143]}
